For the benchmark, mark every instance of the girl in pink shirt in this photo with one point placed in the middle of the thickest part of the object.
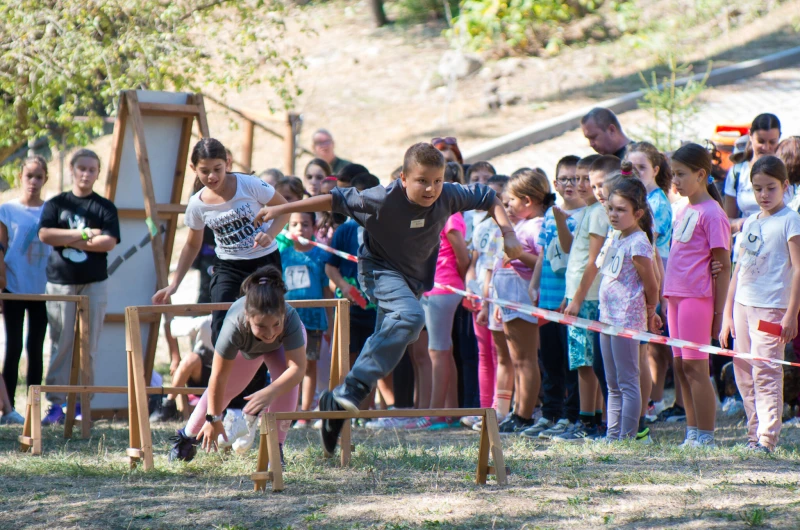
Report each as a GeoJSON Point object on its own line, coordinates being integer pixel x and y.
{"type": "Point", "coordinates": [700, 234]}
{"type": "Point", "coordinates": [529, 197]}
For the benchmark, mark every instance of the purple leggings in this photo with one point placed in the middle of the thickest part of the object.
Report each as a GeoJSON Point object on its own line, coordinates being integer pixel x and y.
{"type": "Point", "coordinates": [241, 374]}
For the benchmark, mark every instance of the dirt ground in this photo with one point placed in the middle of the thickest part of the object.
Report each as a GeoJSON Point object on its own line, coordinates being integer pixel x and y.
{"type": "Point", "coordinates": [401, 480]}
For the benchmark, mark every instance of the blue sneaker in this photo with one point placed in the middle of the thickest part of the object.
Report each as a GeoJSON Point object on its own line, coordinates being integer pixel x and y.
{"type": "Point", "coordinates": [55, 416]}
{"type": "Point", "coordinates": [577, 435]}
{"type": "Point", "coordinates": [12, 418]}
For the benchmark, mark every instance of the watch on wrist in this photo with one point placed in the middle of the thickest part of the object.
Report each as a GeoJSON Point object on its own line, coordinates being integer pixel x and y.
{"type": "Point", "coordinates": [211, 419]}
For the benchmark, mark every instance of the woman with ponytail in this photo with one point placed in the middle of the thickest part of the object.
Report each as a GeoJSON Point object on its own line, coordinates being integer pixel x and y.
{"type": "Point", "coordinates": [259, 328]}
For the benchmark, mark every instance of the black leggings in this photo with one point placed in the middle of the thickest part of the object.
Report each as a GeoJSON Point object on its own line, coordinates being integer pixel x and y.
{"type": "Point", "coordinates": [14, 316]}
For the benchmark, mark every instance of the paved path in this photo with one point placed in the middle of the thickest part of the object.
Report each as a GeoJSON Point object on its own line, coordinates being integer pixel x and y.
{"type": "Point", "coordinates": [777, 92]}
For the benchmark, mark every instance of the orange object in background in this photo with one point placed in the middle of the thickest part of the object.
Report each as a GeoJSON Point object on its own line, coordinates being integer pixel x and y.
{"type": "Point", "coordinates": [724, 138]}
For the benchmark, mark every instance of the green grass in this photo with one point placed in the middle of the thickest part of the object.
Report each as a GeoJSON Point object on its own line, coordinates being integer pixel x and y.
{"type": "Point", "coordinates": [402, 480]}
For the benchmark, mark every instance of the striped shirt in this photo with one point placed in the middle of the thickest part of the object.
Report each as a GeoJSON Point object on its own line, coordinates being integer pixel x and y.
{"type": "Point", "coordinates": [552, 284]}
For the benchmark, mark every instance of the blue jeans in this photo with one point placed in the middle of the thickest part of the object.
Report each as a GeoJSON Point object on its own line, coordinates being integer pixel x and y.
{"type": "Point", "coordinates": [399, 322]}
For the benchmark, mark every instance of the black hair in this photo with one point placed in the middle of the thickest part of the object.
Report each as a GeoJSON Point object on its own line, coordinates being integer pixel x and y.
{"type": "Point", "coordinates": [606, 164]}
{"type": "Point", "coordinates": [454, 173]}
{"type": "Point", "coordinates": [567, 161]}
{"type": "Point", "coordinates": [587, 161]}
{"type": "Point", "coordinates": [633, 191]}
{"type": "Point", "coordinates": [602, 117]}
{"type": "Point", "coordinates": [771, 166]}
{"type": "Point", "coordinates": [476, 167]}
{"type": "Point", "coordinates": [762, 122]}
{"type": "Point", "coordinates": [498, 179]}
{"type": "Point", "coordinates": [208, 149]}
{"type": "Point", "coordinates": [350, 171]}
{"type": "Point", "coordinates": [365, 181]}
{"type": "Point", "coordinates": [264, 292]}
{"type": "Point", "coordinates": [696, 157]}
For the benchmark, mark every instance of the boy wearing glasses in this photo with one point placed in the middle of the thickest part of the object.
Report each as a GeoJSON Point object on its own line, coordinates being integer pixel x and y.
{"type": "Point", "coordinates": [547, 289]}
{"type": "Point", "coordinates": [402, 225]}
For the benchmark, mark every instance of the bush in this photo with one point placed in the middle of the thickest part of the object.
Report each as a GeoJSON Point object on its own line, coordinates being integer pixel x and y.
{"type": "Point", "coordinates": [514, 26]}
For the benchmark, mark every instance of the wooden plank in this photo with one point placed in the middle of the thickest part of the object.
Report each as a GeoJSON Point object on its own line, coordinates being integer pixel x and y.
{"type": "Point", "coordinates": [372, 414]}
{"type": "Point", "coordinates": [134, 437]}
{"type": "Point", "coordinates": [169, 110]}
{"type": "Point", "coordinates": [25, 441]}
{"type": "Point", "coordinates": [483, 454]}
{"type": "Point", "coordinates": [343, 308]}
{"type": "Point", "coordinates": [247, 146]}
{"type": "Point", "coordinates": [259, 481]}
{"type": "Point", "coordinates": [134, 453]}
{"type": "Point", "coordinates": [42, 297]}
{"type": "Point", "coordinates": [117, 140]}
{"type": "Point", "coordinates": [74, 373]}
{"type": "Point", "coordinates": [274, 453]}
{"type": "Point", "coordinates": [87, 371]}
{"type": "Point", "coordinates": [205, 309]}
{"type": "Point", "coordinates": [496, 447]}
{"type": "Point", "coordinates": [333, 380]}
{"type": "Point", "coordinates": [202, 120]}
{"type": "Point", "coordinates": [166, 212]}
{"type": "Point", "coordinates": [119, 318]}
{"type": "Point", "coordinates": [156, 243]}
{"type": "Point", "coordinates": [36, 420]}
{"type": "Point", "coordinates": [139, 385]}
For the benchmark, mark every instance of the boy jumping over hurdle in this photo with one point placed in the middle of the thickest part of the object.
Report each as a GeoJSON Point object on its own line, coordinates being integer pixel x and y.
{"type": "Point", "coordinates": [397, 260]}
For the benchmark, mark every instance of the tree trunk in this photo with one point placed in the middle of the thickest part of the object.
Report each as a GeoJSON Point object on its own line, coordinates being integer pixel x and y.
{"type": "Point", "coordinates": [378, 13]}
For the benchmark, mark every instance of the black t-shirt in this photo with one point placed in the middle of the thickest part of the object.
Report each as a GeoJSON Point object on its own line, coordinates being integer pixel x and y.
{"type": "Point", "coordinates": [69, 266]}
{"type": "Point", "coordinates": [622, 151]}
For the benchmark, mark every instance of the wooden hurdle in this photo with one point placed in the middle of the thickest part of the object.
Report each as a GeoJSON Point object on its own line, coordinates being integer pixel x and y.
{"type": "Point", "coordinates": [79, 367]}
{"type": "Point", "coordinates": [269, 467]}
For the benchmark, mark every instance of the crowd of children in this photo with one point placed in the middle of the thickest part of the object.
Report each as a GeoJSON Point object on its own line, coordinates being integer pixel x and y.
{"type": "Point", "coordinates": [643, 242]}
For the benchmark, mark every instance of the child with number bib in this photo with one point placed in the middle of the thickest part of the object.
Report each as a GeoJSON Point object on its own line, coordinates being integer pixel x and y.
{"type": "Point", "coordinates": [529, 197]}
{"type": "Point", "coordinates": [701, 233]}
{"type": "Point", "coordinates": [763, 299]}
{"type": "Point", "coordinates": [402, 226]}
{"type": "Point", "coordinates": [629, 294]}
{"type": "Point", "coordinates": [259, 328]}
{"type": "Point", "coordinates": [305, 279]}
{"type": "Point", "coordinates": [561, 403]}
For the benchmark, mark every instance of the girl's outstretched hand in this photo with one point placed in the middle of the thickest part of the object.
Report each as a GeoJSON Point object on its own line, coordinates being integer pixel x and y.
{"type": "Point", "coordinates": [162, 296]}
{"type": "Point", "coordinates": [210, 434]}
{"type": "Point", "coordinates": [257, 402]}
{"type": "Point", "coordinates": [264, 214]}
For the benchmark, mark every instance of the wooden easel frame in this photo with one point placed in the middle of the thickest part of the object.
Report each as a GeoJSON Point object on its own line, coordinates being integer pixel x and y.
{"type": "Point", "coordinates": [78, 372]}
{"type": "Point", "coordinates": [141, 440]}
{"type": "Point", "coordinates": [153, 213]}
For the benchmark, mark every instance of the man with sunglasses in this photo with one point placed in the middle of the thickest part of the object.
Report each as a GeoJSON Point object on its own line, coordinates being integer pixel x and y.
{"type": "Point", "coordinates": [323, 147]}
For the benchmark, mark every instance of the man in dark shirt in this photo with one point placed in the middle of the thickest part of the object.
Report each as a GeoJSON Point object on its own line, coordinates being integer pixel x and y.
{"type": "Point", "coordinates": [397, 259]}
{"type": "Point", "coordinates": [601, 127]}
{"type": "Point", "coordinates": [82, 227]}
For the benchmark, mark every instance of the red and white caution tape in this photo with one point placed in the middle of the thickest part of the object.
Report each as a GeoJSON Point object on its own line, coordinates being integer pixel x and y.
{"type": "Point", "coordinates": [584, 323]}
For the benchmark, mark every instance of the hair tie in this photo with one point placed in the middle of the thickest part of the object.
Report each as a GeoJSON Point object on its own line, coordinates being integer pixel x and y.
{"type": "Point", "coordinates": [262, 281]}
{"type": "Point", "coordinates": [549, 197]}
{"type": "Point", "coordinates": [710, 180]}
{"type": "Point", "coordinates": [626, 172]}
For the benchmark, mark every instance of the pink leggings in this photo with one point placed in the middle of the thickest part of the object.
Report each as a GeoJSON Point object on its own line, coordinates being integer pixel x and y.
{"type": "Point", "coordinates": [241, 374]}
{"type": "Point", "coordinates": [487, 364]}
{"type": "Point", "coordinates": [690, 319]}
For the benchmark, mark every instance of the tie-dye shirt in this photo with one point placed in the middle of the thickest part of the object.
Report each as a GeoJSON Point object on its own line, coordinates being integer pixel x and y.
{"type": "Point", "coordinates": [662, 220]}
{"type": "Point", "coordinates": [622, 299]}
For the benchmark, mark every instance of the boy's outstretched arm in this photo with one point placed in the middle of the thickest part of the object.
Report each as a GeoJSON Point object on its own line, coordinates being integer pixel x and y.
{"type": "Point", "coordinates": [320, 203]}
{"type": "Point", "coordinates": [511, 245]}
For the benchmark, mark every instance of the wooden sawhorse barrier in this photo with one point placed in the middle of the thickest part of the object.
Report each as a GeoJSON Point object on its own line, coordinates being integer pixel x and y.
{"type": "Point", "coordinates": [78, 372]}
{"type": "Point", "coordinates": [141, 440]}
{"type": "Point", "coordinates": [269, 453]}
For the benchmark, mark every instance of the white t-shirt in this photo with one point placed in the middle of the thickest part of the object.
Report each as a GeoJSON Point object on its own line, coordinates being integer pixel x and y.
{"type": "Point", "coordinates": [592, 220]}
{"type": "Point", "coordinates": [765, 270]}
{"type": "Point", "coordinates": [26, 256]}
{"type": "Point", "coordinates": [488, 241]}
{"type": "Point", "coordinates": [232, 221]}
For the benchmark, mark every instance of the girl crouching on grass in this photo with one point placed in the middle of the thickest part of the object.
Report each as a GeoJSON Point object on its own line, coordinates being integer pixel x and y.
{"type": "Point", "coordinates": [261, 327]}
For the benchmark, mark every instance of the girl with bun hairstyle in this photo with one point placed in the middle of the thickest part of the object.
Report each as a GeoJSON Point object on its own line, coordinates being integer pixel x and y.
{"type": "Point", "coordinates": [260, 327]}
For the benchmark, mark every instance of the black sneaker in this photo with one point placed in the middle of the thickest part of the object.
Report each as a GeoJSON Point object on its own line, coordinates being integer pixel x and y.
{"type": "Point", "coordinates": [673, 414]}
{"type": "Point", "coordinates": [350, 395]}
{"type": "Point", "coordinates": [167, 410]}
{"type": "Point", "coordinates": [515, 425]}
{"type": "Point", "coordinates": [183, 447]}
{"type": "Point", "coordinates": [329, 429]}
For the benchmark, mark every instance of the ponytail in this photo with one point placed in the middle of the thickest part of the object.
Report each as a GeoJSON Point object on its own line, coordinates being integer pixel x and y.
{"type": "Point", "coordinates": [264, 292]}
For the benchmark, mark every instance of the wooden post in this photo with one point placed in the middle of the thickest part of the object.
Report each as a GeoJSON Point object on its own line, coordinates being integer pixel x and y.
{"type": "Point", "coordinates": [139, 386]}
{"type": "Point", "coordinates": [275, 465]}
{"type": "Point", "coordinates": [74, 372]}
{"type": "Point", "coordinates": [290, 143]}
{"type": "Point", "coordinates": [261, 476]}
{"type": "Point", "coordinates": [496, 446]}
{"type": "Point", "coordinates": [25, 441]}
{"type": "Point", "coordinates": [247, 146]}
{"type": "Point", "coordinates": [36, 420]}
{"type": "Point", "coordinates": [483, 454]}
{"type": "Point", "coordinates": [343, 345]}
{"type": "Point", "coordinates": [87, 370]}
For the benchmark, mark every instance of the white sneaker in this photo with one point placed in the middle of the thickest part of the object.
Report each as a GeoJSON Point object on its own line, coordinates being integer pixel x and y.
{"type": "Point", "coordinates": [560, 427]}
{"type": "Point", "coordinates": [705, 441]}
{"type": "Point", "coordinates": [380, 424]}
{"type": "Point", "coordinates": [469, 421]}
{"type": "Point", "coordinates": [245, 442]}
{"type": "Point", "coordinates": [235, 427]}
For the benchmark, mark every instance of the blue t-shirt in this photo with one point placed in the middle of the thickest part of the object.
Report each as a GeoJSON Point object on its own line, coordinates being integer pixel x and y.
{"type": "Point", "coordinates": [347, 238]}
{"type": "Point", "coordinates": [553, 285]}
{"type": "Point", "coordinates": [304, 275]}
{"type": "Point", "coordinates": [662, 220]}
